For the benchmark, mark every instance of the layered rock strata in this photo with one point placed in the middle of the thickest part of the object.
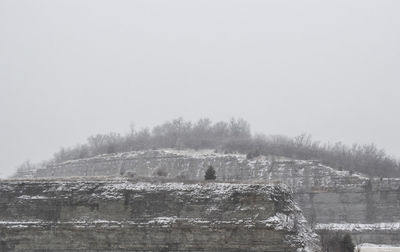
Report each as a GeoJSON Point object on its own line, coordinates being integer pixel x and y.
{"type": "Point", "coordinates": [118, 215]}
{"type": "Point", "coordinates": [326, 195]}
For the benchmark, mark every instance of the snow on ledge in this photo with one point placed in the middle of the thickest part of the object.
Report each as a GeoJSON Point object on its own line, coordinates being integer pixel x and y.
{"type": "Point", "coordinates": [371, 245]}
{"type": "Point", "coordinates": [357, 227]}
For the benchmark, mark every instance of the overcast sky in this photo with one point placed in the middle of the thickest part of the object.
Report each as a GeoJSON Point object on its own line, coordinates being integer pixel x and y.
{"type": "Point", "coordinates": [70, 69]}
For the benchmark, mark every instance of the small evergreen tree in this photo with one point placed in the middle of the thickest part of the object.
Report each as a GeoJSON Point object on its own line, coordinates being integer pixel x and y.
{"type": "Point", "coordinates": [210, 173]}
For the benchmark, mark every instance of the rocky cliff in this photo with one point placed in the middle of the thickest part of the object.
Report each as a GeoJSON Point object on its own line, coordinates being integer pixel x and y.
{"type": "Point", "coordinates": [326, 195]}
{"type": "Point", "coordinates": [118, 215]}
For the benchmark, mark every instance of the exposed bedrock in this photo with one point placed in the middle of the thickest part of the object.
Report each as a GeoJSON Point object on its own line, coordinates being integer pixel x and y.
{"type": "Point", "coordinates": [378, 233]}
{"type": "Point", "coordinates": [351, 205]}
{"type": "Point", "coordinates": [118, 215]}
{"type": "Point", "coordinates": [324, 194]}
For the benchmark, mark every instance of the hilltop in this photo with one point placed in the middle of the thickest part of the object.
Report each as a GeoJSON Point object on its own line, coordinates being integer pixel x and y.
{"type": "Point", "coordinates": [230, 137]}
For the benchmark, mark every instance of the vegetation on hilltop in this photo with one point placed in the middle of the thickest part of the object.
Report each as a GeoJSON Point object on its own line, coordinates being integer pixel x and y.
{"type": "Point", "coordinates": [235, 136]}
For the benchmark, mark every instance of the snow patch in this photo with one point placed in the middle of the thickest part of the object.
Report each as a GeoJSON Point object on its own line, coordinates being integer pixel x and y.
{"type": "Point", "coordinates": [358, 227]}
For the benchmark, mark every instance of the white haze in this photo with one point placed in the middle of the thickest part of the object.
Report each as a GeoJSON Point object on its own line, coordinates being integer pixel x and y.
{"type": "Point", "coordinates": [73, 68]}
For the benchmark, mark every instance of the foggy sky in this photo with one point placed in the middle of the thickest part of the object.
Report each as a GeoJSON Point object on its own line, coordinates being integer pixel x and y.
{"type": "Point", "coordinates": [74, 68]}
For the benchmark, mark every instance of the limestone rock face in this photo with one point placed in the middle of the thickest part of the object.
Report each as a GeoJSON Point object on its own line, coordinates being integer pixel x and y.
{"type": "Point", "coordinates": [324, 194]}
{"type": "Point", "coordinates": [377, 233]}
{"type": "Point", "coordinates": [118, 215]}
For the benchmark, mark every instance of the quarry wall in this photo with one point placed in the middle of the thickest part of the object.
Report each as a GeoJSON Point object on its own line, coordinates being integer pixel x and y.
{"type": "Point", "coordinates": [354, 205]}
{"type": "Point", "coordinates": [118, 215]}
{"type": "Point", "coordinates": [326, 195]}
{"type": "Point", "coordinates": [378, 233]}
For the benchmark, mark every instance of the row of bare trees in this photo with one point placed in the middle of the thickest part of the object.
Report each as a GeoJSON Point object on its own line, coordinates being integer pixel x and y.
{"type": "Point", "coordinates": [177, 133]}
{"type": "Point", "coordinates": [366, 158]}
{"type": "Point", "coordinates": [235, 136]}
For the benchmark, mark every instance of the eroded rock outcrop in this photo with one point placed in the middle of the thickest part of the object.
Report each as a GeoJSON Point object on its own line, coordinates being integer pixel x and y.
{"type": "Point", "coordinates": [118, 215]}
{"type": "Point", "coordinates": [325, 195]}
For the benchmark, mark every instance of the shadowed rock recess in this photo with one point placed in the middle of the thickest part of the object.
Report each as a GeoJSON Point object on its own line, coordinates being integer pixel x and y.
{"type": "Point", "coordinates": [119, 215]}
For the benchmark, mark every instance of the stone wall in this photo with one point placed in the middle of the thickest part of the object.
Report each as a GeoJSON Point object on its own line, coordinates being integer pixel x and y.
{"type": "Point", "coordinates": [118, 215]}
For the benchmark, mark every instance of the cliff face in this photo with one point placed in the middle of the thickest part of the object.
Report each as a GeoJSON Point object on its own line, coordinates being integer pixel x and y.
{"type": "Point", "coordinates": [371, 201]}
{"type": "Point", "coordinates": [379, 233]}
{"type": "Point", "coordinates": [324, 194]}
{"type": "Point", "coordinates": [118, 215]}
{"type": "Point", "coordinates": [191, 165]}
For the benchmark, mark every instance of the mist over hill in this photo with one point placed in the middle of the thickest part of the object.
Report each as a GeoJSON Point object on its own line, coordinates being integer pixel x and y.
{"type": "Point", "coordinates": [233, 136]}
